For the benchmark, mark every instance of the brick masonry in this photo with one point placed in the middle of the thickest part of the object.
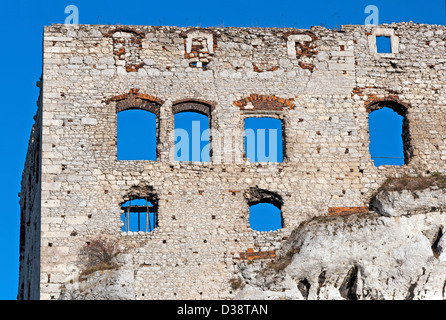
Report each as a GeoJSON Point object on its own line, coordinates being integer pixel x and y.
{"type": "Point", "coordinates": [250, 254]}
{"type": "Point", "coordinates": [341, 211]}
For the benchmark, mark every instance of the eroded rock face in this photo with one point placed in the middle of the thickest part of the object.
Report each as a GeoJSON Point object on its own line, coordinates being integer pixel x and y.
{"type": "Point", "coordinates": [116, 284]}
{"type": "Point", "coordinates": [366, 256]}
{"type": "Point", "coordinates": [397, 203]}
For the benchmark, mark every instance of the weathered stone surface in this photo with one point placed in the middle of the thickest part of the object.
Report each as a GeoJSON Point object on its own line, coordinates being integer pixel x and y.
{"type": "Point", "coordinates": [320, 83]}
{"type": "Point", "coordinates": [102, 285]}
{"type": "Point", "coordinates": [365, 256]}
{"type": "Point", "coordinates": [397, 203]}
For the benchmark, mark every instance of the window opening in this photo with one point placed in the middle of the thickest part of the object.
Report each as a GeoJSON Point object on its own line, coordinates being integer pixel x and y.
{"type": "Point", "coordinates": [139, 215]}
{"type": "Point", "coordinates": [191, 137]}
{"type": "Point", "coordinates": [263, 139]}
{"type": "Point", "coordinates": [386, 137]}
{"type": "Point", "coordinates": [265, 216]}
{"type": "Point", "coordinates": [383, 44]}
{"type": "Point", "coordinates": [136, 135]}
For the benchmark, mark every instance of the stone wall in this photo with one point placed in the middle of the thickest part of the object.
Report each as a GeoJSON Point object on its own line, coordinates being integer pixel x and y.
{"type": "Point", "coordinates": [30, 212]}
{"type": "Point", "coordinates": [321, 83]}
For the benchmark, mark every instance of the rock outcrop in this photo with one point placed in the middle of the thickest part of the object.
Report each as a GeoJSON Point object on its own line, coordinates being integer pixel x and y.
{"type": "Point", "coordinates": [112, 284]}
{"type": "Point", "coordinates": [397, 253]}
{"type": "Point", "coordinates": [394, 203]}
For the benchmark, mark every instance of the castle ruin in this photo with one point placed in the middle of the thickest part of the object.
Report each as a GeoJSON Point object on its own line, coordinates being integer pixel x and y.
{"type": "Point", "coordinates": [321, 84]}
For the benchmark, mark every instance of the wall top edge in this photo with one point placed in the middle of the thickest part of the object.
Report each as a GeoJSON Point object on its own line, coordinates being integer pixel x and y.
{"type": "Point", "coordinates": [343, 28]}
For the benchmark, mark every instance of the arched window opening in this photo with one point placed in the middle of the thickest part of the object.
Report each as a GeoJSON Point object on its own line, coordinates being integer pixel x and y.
{"type": "Point", "coordinates": [139, 215]}
{"type": "Point", "coordinates": [263, 139]}
{"type": "Point", "coordinates": [265, 216]}
{"type": "Point", "coordinates": [264, 209]}
{"type": "Point", "coordinates": [191, 137]}
{"type": "Point", "coordinates": [387, 145]}
{"type": "Point", "coordinates": [136, 135]}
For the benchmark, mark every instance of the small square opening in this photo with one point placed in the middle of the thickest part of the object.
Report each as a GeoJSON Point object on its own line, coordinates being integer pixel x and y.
{"type": "Point", "coordinates": [383, 44]}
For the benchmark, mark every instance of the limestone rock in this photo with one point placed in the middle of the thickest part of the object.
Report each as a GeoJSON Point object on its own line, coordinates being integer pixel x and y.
{"type": "Point", "coordinates": [397, 203]}
{"type": "Point", "coordinates": [103, 285]}
{"type": "Point", "coordinates": [360, 256]}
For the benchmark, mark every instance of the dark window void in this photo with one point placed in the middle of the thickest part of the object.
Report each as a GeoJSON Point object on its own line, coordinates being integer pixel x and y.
{"type": "Point", "coordinates": [139, 215]}
{"type": "Point", "coordinates": [136, 135]}
{"type": "Point", "coordinates": [191, 137]}
{"type": "Point", "coordinates": [265, 217]}
{"type": "Point", "coordinates": [383, 45]}
{"type": "Point", "coordinates": [263, 139]}
{"type": "Point", "coordinates": [386, 140]}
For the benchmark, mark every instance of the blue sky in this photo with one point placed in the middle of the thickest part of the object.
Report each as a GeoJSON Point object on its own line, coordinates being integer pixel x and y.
{"type": "Point", "coordinates": [22, 23]}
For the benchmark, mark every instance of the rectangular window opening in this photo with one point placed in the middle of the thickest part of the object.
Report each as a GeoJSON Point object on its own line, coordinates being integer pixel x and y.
{"type": "Point", "coordinates": [138, 216]}
{"type": "Point", "coordinates": [263, 139]}
{"type": "Point", "coordinates": [383, 44]}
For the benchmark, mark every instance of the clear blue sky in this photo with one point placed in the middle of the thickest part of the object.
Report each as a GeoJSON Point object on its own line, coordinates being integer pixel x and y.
{"type": "Point", "coordinates": [22, 23]}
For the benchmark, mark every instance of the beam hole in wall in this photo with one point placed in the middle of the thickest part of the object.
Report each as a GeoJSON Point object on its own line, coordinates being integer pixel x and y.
{"type": "Point", "coordinates": [139, 215]}
{"type": "Point", "coordinates": [383, 44]}
{"type": "Point", "coordinates": [136, 135]}
{"type": "Point", "coordinates": [191, 137]}
{"type": "Point", "coordinates": [386, 137]}
{"type": "Point", "coordinates": [263, 139]}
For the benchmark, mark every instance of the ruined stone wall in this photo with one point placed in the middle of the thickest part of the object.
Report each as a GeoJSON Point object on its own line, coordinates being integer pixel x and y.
{"type": "Point", "coordinates": [30, 210]}
{"type": "Point", "coordinates": [321, 83]}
